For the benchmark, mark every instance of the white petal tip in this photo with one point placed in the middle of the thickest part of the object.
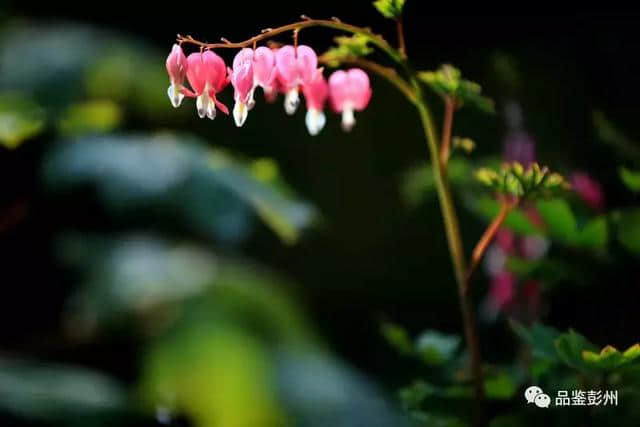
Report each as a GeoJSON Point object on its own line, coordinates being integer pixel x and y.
{"type": "Point", "coordinates": [175, 95]}
{"type": "Point", "coordinates": [240, 112]}
{"type": "Point", "coordinates": [315, 121]}
{"type": "Point", "coordinates": [291, 102]}
{"type": "Point", "coordinates": [348, 119]}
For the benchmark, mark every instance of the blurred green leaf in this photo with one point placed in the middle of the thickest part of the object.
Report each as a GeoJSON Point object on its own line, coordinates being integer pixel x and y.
{"type": "Point", "coordinates": [57, 392]}
{"type": "Point", "coordinates": [177, 177]}
{"type": "Point", "coordinates": [447, 81]}
{"type": "Point", "coordinates": [500, 386]}
{"type": "Point", "coordinates": [570, 347]}
{"type": "Point", "coordinates": [397, 337]}
{"type": "Point", "coordinates": [128, 73]}
{"type": "Point", "coordinates": [418, 183]}
{"type": "Point", "coordinates": [549, 270]}
{"type": "Point", "coordinates": [594, 234]}
{"type": "Point", "coordinates": [215, 374]}
{"type": "Point", "coordinates": [516, 221]}
{"type": "Point", "coordinates": [20, 119]}
{"type": "Point", "coordinates": [558, 218]}
{"type": "Point", "coordinates": [90, 117]}
{"type": "Point", "coordinates": [610, 134]}
{"type": "Point", "coordinates": [628, 226]}
{"type": "Point", "coordinates": [391, 9]}
{"type": "Point", "coordinates": [609, 358]}
{"type": "Point", "coordinates": [631, 178]}
{"type": "Point", "coordinates": [145, 275]}
{"type": "Point", "coordinates": [348, 47]}
{"type": "Point", "coordinates": [435, 347]}
{"type": "Point", "coordinates": [540, 338]}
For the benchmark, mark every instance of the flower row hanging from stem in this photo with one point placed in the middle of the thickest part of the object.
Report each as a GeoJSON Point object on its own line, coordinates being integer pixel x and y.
{"type": "Point", "coordinates": [288, 70]}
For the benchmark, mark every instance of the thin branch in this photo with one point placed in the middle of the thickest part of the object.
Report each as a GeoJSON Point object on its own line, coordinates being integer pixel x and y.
{"type": "Point", "coordinates": [268, 33]}
{"type": "Point", "coordinates": [506, 206]}
{"type": "Point", "coordinates": [387, 73]}
{"type": "Point", "coordinates": [445, 144]}
{"type": "Point", "coordinates": [402, 47]}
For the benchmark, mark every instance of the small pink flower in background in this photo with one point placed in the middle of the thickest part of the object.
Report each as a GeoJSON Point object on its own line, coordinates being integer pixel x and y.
{"type": "Point", "coordinates": [349, 91]}
{"type": "Point", "coordinates": [506, 239]}
{"type": "Point", "coordinates": [316, 93]}
{"type": "Point", "coordinates": [177, 69]}
{"type": "Point", "coordinates": [207, 75]}
{"type": "Point", "coordinates": [588, 189]}
{"type": "Point", "coordinates": [532, 295]}
{"type": "Point", "coordinates": [296, 67]}
{"type": "Point", "coordinates": [242, 79]}
{"type": "Point", "coordinates": [520, 147]}
{"type": "Point", "coordinates": [502, 290]}
{"type": "Point", "coordinates": [533, 247]}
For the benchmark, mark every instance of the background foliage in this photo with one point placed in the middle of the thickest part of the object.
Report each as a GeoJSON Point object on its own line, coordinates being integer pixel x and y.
{"type": "Point", "coordinates": [158, 268]}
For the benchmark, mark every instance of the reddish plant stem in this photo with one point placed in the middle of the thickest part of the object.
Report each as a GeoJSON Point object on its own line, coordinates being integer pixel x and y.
{"type": "Point", "coordinates": [402, 47]}
{"type": "Point", "coordinates": [506, 206]}
{"type": "Point", "coordinates": [445, 145]}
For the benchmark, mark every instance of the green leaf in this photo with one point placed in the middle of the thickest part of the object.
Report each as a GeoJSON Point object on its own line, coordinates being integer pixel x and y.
{"type": "Point", "coordinates": [559, 219]}
{"type": "Point", "coordinates": [397, 337]}
{"type": "Point", "coordinates": [448, 82]}
{"type": "Point", "coordinates": [570, 347]}
{"type": "Point", "coordinates": [609, 358]}
{"type": "Point", "coordinates": [501, 385]}
{"type": "Point", "coordinates": [20, 119]}
{"type": "Point", "coordinates": [216, 374]}
{"type": "Point", "coordinates": [90, 117]}
{"type": "Point", "coordinates": [628, 229]}
{"type": "Point", "coordinates": [391, 9]}
{"type": "Point", "coordinates": [179, 178]}
{"type": "Point", "coordinates": [348, 47]}
{"type": "Point", "coordinates": [540, 338]}
{"type": "Point", "coordinates": [631, 178]}
{"type": "Point", "coordinates": [516, 221]}
{"type": "Point", "coordinates": [594, 234]}
{"type": "Point", "coordinates": [419, 183]}
{"type": "Point", "coordinates": [57, 392]}
{"type": "Point", "coordinates": [435, 347]}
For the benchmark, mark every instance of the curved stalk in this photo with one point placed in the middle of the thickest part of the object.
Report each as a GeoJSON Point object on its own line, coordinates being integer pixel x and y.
{"type": "Point", "coordinates": [454, 240]}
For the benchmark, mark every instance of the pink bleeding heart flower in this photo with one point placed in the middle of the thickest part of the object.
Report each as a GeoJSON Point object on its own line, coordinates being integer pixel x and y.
{"type": "Point", "coordinates": [316, 93]}
{"type": "Point", "coordinates": [242, 79]}
{"type": "Point", "coordinates": [274, 85]}
{"type": "Point", "coordinates": [588, 189]}
{"type": "Point", "coordinates": [271, 92]}
{"type": "Point", "coordinates": [264, 67]}
{"type": "Point", "coordinates": [349, 91]}
{"type": "Point", "coordinates": [177, 68]}
{"type": "Point", "coordinates": [296, 67]}
{"type": "Point", "coordinates": [502, 290]}
{"type": "Point", "coordinates": [251, 68]}
{"type": "Point", "coordinates": [207, 75]}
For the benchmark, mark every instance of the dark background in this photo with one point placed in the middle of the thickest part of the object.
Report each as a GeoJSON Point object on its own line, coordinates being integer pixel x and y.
{"type": "Point", "coordinates": [371, 258]}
